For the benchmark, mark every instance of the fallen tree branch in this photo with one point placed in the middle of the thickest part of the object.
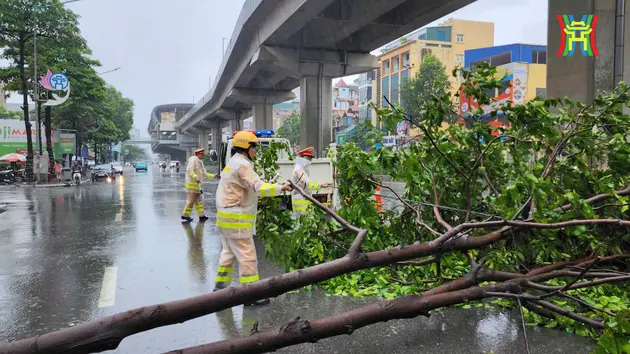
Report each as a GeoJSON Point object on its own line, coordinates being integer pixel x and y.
{"type": "Point", "coordinates": [302, 331]}
{"type": "Point", "coordinates": [107, 333]}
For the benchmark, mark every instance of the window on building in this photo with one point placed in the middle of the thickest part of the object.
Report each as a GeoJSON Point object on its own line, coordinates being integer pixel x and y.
{"type": "Point", "coordinates": [460, 38]}
{"type": "Point", "coordinates": [441, 36]}
{"type": "Point", "coordinates": [386, 67]}
{"type": "Point", "coordinates": [460, 58]}
{"type": "Point", "coordinates": [541, 92]}
{"type": "Point", "coordinates": [395, 89]}
{"type": "Point", "coordinates": [539, 57]}
{"type": "Point", "coordinates": [405, 60]}
{"type": "Point", "coordinates": [432, 45]}
{"type": "Point", "coordinates": [385, 90]}
{"type": "Point", "coordinates": [404, 76]}
{"type": "Point", "coordinates": [396, 63]}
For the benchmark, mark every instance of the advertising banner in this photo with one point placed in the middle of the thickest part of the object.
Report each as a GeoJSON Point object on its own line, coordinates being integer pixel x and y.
{"type": "Point", "coordinates": [167, 121]}
{"type": "Point", "coordinates": [64, 144]}
{"type": "Point", "coordinates": [13, 136]}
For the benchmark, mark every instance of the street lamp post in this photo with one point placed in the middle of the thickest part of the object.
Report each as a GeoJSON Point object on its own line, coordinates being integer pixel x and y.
{"type": "Point", "coordinates": [36, 93]}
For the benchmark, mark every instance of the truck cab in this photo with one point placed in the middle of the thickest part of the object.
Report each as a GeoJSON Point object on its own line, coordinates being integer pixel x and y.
{"type": "Point", "coordinates": [321, 170]}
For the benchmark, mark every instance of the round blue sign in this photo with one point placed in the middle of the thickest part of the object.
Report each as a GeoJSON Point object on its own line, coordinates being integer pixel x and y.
{"type": "Point", "coordinates": [59, 81]}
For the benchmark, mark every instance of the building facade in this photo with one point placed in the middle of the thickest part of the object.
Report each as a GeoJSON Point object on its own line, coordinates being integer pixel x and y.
{"type": "Point", "coordinates": [525, 70]}
{"type": "Point", "coordinates": [345, 105]}
{"type": "Point", "coordinates": [448, 42]}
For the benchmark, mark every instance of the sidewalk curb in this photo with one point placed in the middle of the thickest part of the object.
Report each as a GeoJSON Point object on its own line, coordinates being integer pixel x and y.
{"type": "Point", "coordinates": [58, 185]}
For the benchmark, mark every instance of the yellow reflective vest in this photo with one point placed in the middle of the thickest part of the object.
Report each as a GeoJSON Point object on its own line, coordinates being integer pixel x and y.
{"type": "Point", "coordinates": [301, 179]}
{"type": "Point", "coordinates": [195, 170]}
{"type": "Point", "coordinates": [237, 198]}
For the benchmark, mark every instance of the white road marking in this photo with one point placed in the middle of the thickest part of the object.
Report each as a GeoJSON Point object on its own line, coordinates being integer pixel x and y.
{"type": "Point", "coordinates": [108, 288]}
{"type": "Point", "coordinates": [118, 217]}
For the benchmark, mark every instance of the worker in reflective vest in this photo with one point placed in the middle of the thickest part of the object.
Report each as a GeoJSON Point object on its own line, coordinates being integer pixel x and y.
{"type": "Point", "coordinates": [237, 204]}
{"type": "Point", "coordinates": [195, 170]}
{"type": "Point", "coordinates": [301, 179]}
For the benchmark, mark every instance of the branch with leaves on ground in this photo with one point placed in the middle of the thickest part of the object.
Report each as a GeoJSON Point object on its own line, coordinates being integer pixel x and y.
{"type": "Point", "coordinates": [537, 220]}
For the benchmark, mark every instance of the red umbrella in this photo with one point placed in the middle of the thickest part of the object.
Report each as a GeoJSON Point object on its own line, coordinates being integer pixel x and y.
{"type": "Point", "coordinates": [13, 157]}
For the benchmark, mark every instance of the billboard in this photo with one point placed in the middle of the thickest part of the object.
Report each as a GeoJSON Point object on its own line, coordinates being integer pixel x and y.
{"type": "Point", "coordinates": [13, 136]}
{"type": "Point", "coordinates": [64, 143]}
{"type": "Point", "coordinates": [13, 139]}
{"type": "Point", "coordinates": [167, 121]}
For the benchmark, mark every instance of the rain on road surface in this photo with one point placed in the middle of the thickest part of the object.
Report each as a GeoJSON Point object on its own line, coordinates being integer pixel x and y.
{"type": "Point", "coordinates": [71, 255]}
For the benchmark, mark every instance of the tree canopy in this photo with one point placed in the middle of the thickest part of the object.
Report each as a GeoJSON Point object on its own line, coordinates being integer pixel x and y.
{"type": "Point", "coordinates": [100, 114]}
{"type": "Point", "coordinates": [131, 153]}
{"type": "Point", "coordinates": [290, 128]}
{"type": "Point", "coordinates": [365, 135]}
{"type": "Point", "coordinates": [5, 114]}
{"type": "Point", "coordinates": [430, 80]}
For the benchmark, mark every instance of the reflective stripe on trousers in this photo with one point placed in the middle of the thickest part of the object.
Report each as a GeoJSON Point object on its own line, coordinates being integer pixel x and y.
{"type": "Point", "coordinates": [243, 251]}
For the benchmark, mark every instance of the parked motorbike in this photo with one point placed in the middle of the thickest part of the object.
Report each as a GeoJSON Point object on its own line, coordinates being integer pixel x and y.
{"type": "Point", "coordinates": [9, 177]}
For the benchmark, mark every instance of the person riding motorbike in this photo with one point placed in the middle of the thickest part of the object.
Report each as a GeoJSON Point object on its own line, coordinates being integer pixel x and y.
{"type": "Point", "coordinates": [76, 172]}
{"type": "Point", "coordinates": [237, 203]}
{"type": "Point", "coordinates": [195, 170]}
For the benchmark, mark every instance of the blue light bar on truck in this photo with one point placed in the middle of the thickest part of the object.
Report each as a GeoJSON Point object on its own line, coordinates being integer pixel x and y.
{"type": "Point", "coordinates": [264, 133]}
{"type": "Point", "coordinates": [259, 133]}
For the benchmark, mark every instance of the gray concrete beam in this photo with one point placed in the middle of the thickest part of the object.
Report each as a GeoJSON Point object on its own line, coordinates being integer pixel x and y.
{"type": "Point", "coordinates": [329, 29]}
{"type": "Point", "coordinates": [308, 10]}
{"type": "Point", "coordinates": [409, 16]}
{"type": "Point", "coordinates": [258, 29]}
{"type": "Point", "coordinates": [307, 62]}
{"type": "Point", "coordinates": [252, 96]}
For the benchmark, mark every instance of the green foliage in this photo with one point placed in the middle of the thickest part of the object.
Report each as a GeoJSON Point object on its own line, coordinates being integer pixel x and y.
{"type": "Point", "coordinates": [132, 153]}
{"type": "Point", "coordinates": [616, 338]}
{"type": "Point", "coordinates": [4, 114]}
{"type": "Point", "coordinates": [431, 80]}
{"type": "Point", "coordinates": [99, 113]}
{"type": "Point", "coordinates": [290, 128]}
{"type": "Point", "coordinates": [365, 135]}
{"type": "Point", "coordinates": [479, 173]}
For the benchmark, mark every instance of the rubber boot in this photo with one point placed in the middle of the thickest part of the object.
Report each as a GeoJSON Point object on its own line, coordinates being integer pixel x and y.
{"type": "Point", "coordinates": [220, 286]}
{"type": "Point", "coordinates": [187, 218]}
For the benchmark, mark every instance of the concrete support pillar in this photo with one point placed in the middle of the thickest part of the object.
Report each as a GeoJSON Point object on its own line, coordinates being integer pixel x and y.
{"type": "Point", "coordinates": [203, 139]}
{"type": "Point", "coordinates": [316, 111]}
{"type": "Point", "coordinates": [263, 116]}
{"type": "Point", "coordinates": [580, 77]}
{"type": "Point", "coordinates": [216, 138]}
{"type": "Point", "coordinates": [189, 153]}
{"type": "Point", "coordinates": [235, 125]}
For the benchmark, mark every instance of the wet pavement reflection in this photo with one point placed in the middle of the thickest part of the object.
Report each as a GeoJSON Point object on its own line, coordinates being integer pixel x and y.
{"type": "Point", "coordinates": [70, 255]}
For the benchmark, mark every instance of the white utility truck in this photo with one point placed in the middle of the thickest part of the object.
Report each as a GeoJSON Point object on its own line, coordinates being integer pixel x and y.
{"type": "Point", "coordinates": [321, 170]}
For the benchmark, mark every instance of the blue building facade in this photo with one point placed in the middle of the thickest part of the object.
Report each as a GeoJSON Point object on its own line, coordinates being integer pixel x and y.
{"type": "Point", "coordinates": [509, 53]}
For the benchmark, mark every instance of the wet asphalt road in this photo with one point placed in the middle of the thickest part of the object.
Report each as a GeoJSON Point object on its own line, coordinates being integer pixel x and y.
{"type": "Point", "coordinates": [70, 255]}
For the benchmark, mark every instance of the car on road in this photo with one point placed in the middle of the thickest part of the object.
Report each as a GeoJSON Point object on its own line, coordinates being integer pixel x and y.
{"type": "Point", "coordinates": [141, 166]}
{"type": "Point", "coordinates": [118, 168]}
{"type": "Point", "coordinates": [104, 172]}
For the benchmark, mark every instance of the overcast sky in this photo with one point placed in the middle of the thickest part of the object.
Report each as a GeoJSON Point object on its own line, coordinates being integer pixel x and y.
{"type": "Point", "coordinates": [168, 49]}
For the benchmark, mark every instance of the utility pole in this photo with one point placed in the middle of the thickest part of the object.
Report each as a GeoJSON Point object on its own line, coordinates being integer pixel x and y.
{"type": "Point", "coordinates": [36, 93]}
